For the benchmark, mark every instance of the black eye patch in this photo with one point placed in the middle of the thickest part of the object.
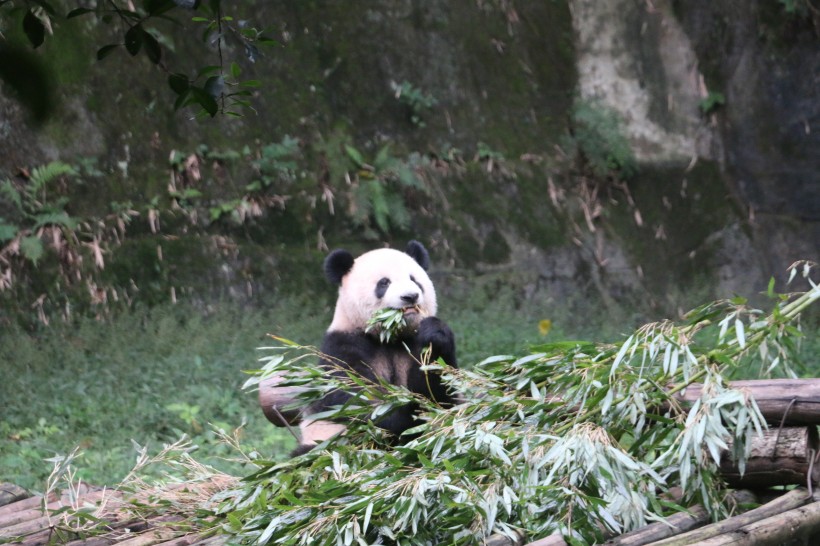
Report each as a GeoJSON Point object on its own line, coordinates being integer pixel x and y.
{"type": "Point", "coordinates": [381, 287]}
{"type": "Point", "coordinates": [412, 278]}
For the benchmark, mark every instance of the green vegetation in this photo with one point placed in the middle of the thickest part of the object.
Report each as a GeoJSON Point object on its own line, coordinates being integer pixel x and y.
{"type": "Point", "coordinates": [578, 438]}
{"type": "Point", "coordinates": [147, 28]}
{"type": "Point", "coordinates": [148, 377]}
{"type": "Point", "coordinates": [712, 102]}
{"type": "Point", "coordinates": [597, 140]}
{"type": "Point", "coordinates": [151, 375]}
{"type": "Point", "coordinates": [415, 99]}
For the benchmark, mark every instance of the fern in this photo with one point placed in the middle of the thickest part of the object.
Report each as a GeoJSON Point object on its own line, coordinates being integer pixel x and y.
{"type": "Point", "coordinates": [13, 195]}
{"type": "Point", "coordinates": [7, 231]}
{"type": "Point", "coordinates": [60, 218]}
{"type": "Point", "coordinates": [41, 176]}
{"type": "Point", "coordinates": [32, 248]}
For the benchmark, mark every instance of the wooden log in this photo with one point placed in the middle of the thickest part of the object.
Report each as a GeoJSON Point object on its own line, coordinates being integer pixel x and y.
{"type": "Point", "coordinates": [10, 493]}
{"type": "Point", "coordinates": [791, 500]}
{"type": "Point", "coordinates": [676, 524]}
{"type": "Point", "coordinates": [276, 401]}
{"type": "Point", "coordinates": [25, 504]}
{"type": "Point", "coordinates": [780, 457]}
{"type": "Point", "coordinates": [791, 527]}
{"type": "Point", "coordinates": [796, 399]}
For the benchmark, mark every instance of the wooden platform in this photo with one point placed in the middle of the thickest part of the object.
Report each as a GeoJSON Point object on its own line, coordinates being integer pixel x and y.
{"type": "Point", "coordinates": [92, 517]}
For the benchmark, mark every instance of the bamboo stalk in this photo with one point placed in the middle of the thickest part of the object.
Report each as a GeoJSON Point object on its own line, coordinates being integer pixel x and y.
{"type": "Point", "coordinates": [790, 501]}
{"type": "Point", "coordinates": [792, 527]}
{"type": "Point", "coordinates": [676, 524]}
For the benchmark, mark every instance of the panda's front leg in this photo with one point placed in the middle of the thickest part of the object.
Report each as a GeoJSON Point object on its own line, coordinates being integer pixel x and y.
{"type": "Point", "coordinates": [434, 332]}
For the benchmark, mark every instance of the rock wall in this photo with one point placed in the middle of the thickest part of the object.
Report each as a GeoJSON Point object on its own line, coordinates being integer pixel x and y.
{"type": "Point", "coordinates": [726, 195]}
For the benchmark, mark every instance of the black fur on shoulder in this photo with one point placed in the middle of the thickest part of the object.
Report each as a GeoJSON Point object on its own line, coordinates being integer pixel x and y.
{"type": "Point", "coordinates": [417, 251]}
{"type": "Point", "coordinates": [338, 264]}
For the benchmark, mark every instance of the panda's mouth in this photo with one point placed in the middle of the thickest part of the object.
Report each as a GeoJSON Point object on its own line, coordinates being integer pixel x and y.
{"type": "Point", "coordinates": [411, 310]}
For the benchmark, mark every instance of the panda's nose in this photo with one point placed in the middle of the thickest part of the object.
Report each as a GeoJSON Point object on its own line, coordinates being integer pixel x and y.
{"type": "Point", "coordinates": [410, 298]}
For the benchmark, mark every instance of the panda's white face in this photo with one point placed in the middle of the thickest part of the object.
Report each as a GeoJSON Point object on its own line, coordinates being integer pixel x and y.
{"type": "Point", "coordinates": [383, 279]}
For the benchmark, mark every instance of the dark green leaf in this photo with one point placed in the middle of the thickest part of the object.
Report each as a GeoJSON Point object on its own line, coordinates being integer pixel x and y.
{"type": "Point", "coordinates": [105, 51]}
{"type": "Point", "coordinates": [133, 39]}
{"type": "Point", "coordinates": [34, 29]}
{"type": "Point", "coordinates": [179, 83]}
{"type": "Point", "coordinates": [205, 100]}
{"type": "Point", "coordinates": [158, 7]}
{"type": "Point", "coordinates": [210, 69]}
{"type": "Point", "coordinates": [184, 99]}
{"type": "Point", "coordinates": [264, 40]}
{"type": "Point", "coordinates": [152, 47]}
{"type": "Point", "coordinates": [77, 12]}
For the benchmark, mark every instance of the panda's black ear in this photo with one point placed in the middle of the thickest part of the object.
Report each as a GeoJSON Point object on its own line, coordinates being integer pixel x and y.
{"type": "Point", "coordinates": [417, 251]}
{"type": "Point", "coordinates": [338, 264]}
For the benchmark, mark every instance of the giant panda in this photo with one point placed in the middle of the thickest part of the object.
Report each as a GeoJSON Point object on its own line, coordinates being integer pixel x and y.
{"type": "Point", "coordinates": [380, 279]}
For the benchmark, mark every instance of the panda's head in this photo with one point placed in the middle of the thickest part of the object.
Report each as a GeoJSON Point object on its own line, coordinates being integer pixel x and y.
{"type": "Point", "coordinates": [380, 279]}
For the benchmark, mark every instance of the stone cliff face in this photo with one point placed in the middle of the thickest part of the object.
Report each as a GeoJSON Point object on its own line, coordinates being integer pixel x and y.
{"type": "Point", "coordinates": [719, 103]}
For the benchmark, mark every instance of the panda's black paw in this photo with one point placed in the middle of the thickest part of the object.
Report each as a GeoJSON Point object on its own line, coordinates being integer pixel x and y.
{"type": "Point", "coordinates": [434, 331]}
{"type": "Point", "coordinates": [301, 449]}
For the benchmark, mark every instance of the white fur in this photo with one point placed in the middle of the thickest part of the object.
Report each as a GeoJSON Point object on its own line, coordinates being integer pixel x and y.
{"type": "Point", "coordinates": [357, 298]}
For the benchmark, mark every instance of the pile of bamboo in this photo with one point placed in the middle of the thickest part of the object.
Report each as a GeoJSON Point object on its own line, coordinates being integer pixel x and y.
{"type": "Point", "coordinates": [781, 475]}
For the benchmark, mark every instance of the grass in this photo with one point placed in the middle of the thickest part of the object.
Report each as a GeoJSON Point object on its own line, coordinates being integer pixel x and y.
{"type": "Point", "coordinates": [147, 377]}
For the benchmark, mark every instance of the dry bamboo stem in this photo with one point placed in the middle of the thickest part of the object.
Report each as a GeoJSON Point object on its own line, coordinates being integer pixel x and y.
{"type": "Point", "coordinates": [790, 501]}
{"type": "Point", "coordinates": [794, 526]}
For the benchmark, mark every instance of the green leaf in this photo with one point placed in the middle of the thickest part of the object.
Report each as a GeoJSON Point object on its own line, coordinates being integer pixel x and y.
{"type": "Point", "coordinates": [78, 11]}
{"type": "Point", "coordinates": [133, 39]}
{"type": "Point", "coordinates": [32, 248]}
{"type": "Point", "coordinates": [152, 48]}
{"type": "Point", "coordinates": [179, 83]}
{"type": "Point", "coordinates": [205, 100]}
{"type": "Point", "coordinates": [235, 70]}
{"type": "Point", "coordinates": [105, 51]}
{"type": "Point", "coordinates": [34, 28]}
{"type": "Point", "coordinates": [354, 154]}
{"type": "Point", "coordinates": [7, 231]}
{"type": "Point", "coordinates": [210, 69]}
{"type": "Point", "coordinates": [158, 7]}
